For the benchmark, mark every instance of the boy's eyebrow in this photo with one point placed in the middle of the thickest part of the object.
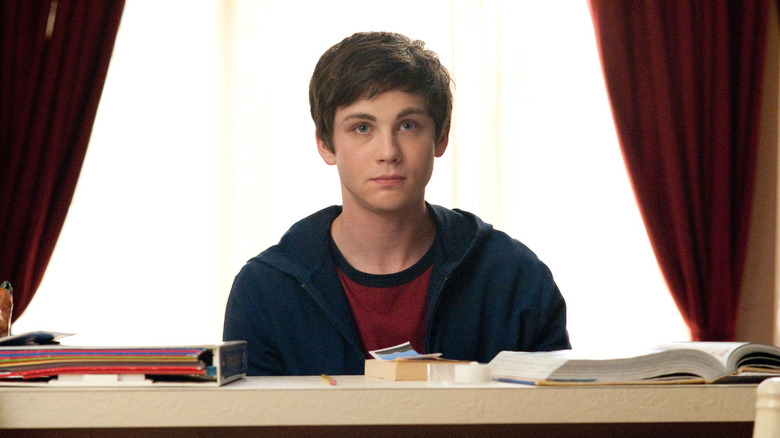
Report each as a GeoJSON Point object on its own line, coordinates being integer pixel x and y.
{"type": "Point", "coordinates": [402, 114]}
{"type": "Point", "coordinates": [410, 111]}
{"type": "Point", "coordinates": [360, 116]}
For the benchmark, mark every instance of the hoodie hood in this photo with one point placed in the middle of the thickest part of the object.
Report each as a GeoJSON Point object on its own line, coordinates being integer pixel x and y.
{"type": "Point", "coordinates": [303, 250]}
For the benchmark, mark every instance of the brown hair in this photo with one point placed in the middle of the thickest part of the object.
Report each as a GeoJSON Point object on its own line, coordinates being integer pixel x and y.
{"type": "Point", "coordinates": [369, 63]}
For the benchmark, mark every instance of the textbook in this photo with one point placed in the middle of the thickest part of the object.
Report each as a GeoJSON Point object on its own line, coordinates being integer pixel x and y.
{"type": "Point", "coordinates": [679, 362]}
{"type": "Point", "coordinates": [54, 364]}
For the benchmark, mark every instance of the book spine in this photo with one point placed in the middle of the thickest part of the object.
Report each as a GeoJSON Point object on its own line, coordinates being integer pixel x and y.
{"type": "Point", "coordinates": [232, 363]}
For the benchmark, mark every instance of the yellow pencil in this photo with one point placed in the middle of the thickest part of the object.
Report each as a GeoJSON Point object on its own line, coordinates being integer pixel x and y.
{"type": "Point", "coordinates": [329, 380]}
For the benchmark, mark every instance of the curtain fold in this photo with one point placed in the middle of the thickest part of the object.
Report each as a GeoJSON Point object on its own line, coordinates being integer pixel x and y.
{"type": "Point", "coordinates": [684, 83]}
{"type": "Point", "coordinates": [55, 60]}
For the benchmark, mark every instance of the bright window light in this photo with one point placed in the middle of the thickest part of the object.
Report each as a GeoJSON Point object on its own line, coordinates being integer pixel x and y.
{"type": "Point", "coordinates": [203, 154]}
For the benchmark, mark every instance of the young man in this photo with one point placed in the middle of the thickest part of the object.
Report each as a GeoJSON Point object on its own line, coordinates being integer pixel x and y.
{"type": "Point", "coordinates": [386, 267]}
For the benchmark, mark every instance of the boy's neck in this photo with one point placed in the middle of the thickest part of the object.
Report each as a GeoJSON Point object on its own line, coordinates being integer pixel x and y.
{"type": "Point", "coordinates": [383, 244]}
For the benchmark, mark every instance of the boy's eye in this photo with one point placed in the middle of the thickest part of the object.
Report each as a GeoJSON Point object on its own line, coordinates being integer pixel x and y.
{"type": "Point", "coordinates": [361, 128]}
{"type": "Point", "coordinates": [408, 125]}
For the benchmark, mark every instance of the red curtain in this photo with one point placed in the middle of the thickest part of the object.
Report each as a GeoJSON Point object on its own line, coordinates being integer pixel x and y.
{"type": "Point", "coordinates": [55, 57]}
{"type": "Point", "coordinates": [684, 82]}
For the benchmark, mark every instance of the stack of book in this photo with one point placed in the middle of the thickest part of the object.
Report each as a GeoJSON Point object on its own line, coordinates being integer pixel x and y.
{"type": "Point", "coordinates": [37, 358]}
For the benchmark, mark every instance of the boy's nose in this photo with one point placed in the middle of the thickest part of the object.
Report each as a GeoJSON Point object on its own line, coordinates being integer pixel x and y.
{"type": "Point", "coordinates": [389, 149]}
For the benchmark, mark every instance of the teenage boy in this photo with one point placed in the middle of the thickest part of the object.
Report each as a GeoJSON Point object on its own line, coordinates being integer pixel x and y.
{"type": "Point", "coordinates": [386, 267]}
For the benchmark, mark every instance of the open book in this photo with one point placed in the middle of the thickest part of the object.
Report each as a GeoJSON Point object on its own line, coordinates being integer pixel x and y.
{"type": "Point", "coordinates": [683, 362]}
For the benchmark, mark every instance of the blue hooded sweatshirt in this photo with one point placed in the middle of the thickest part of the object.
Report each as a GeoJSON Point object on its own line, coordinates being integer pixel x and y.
{"type": "Point", "coordinates": [488, 293]}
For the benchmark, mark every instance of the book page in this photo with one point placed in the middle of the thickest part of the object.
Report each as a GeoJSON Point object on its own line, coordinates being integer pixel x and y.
{"type": "Point", "coordinates": [537, 365]}
{"type": "Point", "coordinates": [719, 350]}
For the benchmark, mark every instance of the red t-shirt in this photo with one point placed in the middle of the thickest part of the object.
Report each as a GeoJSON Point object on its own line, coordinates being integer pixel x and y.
{"type": "Point", "coordinates": [389, 309]}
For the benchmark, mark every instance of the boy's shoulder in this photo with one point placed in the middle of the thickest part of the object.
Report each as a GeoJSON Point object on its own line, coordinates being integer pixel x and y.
{"type": "Point", "coordinates": [304, 242]}
{"type": "Point", "coordinates": [464, 232]}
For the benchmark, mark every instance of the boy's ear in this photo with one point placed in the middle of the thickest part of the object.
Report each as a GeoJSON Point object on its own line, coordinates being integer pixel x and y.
{"type": "Point", "coordinates": [327, 155]}
{"type": "Point", "coordinates": [441, 145]}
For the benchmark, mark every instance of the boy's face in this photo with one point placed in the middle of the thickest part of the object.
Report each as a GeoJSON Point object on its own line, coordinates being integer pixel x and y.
{"type": "Point", "coordinates": [384, 149]}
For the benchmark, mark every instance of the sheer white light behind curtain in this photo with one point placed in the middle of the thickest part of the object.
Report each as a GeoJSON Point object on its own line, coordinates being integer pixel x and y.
{"type": "Point", "coordinates": [203, 154]}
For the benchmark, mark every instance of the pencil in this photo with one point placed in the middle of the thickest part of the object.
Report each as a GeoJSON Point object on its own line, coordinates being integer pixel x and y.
{"type": "Point", "coordinates": [329, 380]}
{"type": "Point", "coordinates": [518, 381]}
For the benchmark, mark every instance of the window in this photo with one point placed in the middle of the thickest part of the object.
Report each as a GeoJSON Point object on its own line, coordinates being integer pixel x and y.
{"type": "Point", "coordinates": [203, 154]}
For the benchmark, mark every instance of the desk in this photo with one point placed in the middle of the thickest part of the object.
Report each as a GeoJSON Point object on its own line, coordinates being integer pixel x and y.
{"type": "Point", "coordinates": [363, 406]}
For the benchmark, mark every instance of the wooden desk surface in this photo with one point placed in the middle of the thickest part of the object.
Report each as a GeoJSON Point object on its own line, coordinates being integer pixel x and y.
{"type": "Point", "coordinates": [358, 400]}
